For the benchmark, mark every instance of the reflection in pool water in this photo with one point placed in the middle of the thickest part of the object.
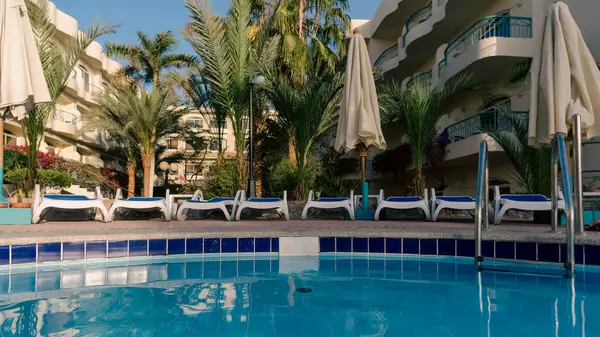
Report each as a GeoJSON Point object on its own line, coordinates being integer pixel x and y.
{"type": "Point", "coordinates": [348, 297]}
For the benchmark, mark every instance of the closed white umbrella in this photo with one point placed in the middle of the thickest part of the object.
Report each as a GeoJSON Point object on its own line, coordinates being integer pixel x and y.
{"type": "Point", "coordinates": [359, 125]}
{"type": "Point", "coordinates": [565, 80]}
{"type": "Point", "coordinates": [22, 81]}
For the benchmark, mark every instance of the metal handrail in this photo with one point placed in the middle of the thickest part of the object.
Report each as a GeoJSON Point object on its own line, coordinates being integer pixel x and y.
{"type": "Point", "coordinates": [423, 78]}
{"type": "Point", "coordinates": [387, 54]}
{"type": "Point", "coordinates": [472, 125]}
{"type": "Point", "coordinates": [481, 200]}
{"type": "Point", "coordinates": [65, 117]}
{"type": "Point", "coordinates": [419, 16]}
{"type": "Point", "coordinates": [487, 27]}
{"type": "Point", "coordinates": [559, 157]}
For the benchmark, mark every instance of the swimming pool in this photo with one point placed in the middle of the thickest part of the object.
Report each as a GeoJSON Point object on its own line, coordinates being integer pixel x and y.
{"type": "Point", "coordinates": [326, 296]}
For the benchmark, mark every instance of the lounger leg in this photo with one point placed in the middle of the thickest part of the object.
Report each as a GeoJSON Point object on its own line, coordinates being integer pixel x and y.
{"type": "Point", "coordinates": [104, 213]}
{"type": "Point", "coordinates": [239, 212]}
{"type": "Point", "coordinates": [305, 211]}
{"type": "Point", "coordinates": [166, 212]}
{"type": "Point", "coordinates": [498, 217]}
{"type": "Point", "coordinates": [436, 213]}
{"type": "Point", "coordinates": [225, 212]}
{"type": "Point", "coordinates": [111, 213]}
{"type": "Point", "coordinates": [426, 211]}
{"type": "Point", "coordinates": [182, 213]}
{"type": "Point", "coordinates": [377, 211]}
{"type": "Point", "coordinates": [349, 209]}
{"type": "Point", "coordinates": [36, 214]}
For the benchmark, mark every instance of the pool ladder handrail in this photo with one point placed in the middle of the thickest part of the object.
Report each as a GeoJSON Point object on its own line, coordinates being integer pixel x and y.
{"type": "Point", "coordinates": [559, 157]}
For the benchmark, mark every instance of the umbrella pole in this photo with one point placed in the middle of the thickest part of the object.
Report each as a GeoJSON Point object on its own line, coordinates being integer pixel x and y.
{"type": "Point", "coordinates": [363, 171]}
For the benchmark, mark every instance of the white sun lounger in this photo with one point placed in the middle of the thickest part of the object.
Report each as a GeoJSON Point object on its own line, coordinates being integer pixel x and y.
{"type": "Point", "coordinates": [329, 203]}
{"type": "Point", "coordinates": [524, 202]}
{"type": "Point", "coordinates": [66, 201]}
{"type": "Point", "coordinates": [264, 203]}
{"type": "Point", "coordinates": [403, 203]}
{"type": "Point", "coordinates": [140, 203]}
{"type": "Point", "coordinates": [199, 204]}
{"type": "Point", "coordinates": [465, 203]}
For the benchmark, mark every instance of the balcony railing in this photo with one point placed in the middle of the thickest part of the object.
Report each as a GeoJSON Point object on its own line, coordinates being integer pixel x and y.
{"type": "Point", "coordinates": [487, 27]}
{"type": "Point", "coordinates": [387, 54]}
{"type": "Point", "coordinates": [65, 117]}
{"type": "Point", "coordinates": [422, 79]}
{"type": "Point", "coordinates": [419, 16]}
{"type": "Point", "coordinates": [491, 119]}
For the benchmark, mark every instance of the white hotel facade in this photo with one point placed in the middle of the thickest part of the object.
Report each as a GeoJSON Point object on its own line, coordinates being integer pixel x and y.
{"type": "Point", "coordinates": [434, 40]}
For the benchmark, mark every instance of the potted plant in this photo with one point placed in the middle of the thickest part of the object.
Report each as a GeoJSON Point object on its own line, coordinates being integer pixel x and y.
{"type": "Point", "coordinates": [20, 201]}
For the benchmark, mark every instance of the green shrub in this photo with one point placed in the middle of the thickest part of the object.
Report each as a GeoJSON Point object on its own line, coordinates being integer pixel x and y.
{"type": "Point", "coordinates": [14, 158]}
{"type": "Point", "coordinates": [15, 176]}
{"type": "Point", "coordinates": [54, 179]}
{"type": "Point", "coordinates": [285, 177]}
{"type": "Point", "coordinates": [222, 179]}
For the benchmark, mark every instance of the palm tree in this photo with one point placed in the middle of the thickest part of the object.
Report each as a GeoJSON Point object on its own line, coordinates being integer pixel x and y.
{"type": "Point", "coordinates": [143, 119]}
{"type": "Point", "coordinates": [149, 60]}
{"type": "Point", "coordinates": [420, 108]}
{"type": "Point", "coordinates": [532, 166]}
{"type": "Point", "coordinates": [231, 55]}
{"type": "Point", "coordinates": [59, 58]}
{"type": "Point", "coordinates": [305, 111]}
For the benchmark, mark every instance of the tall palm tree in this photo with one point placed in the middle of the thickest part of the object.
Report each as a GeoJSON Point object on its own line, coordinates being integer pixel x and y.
{"type": "Point", "coordinates": [149, 60]}
{"type": "Point", "coordinates": [143, 119]}
{"type": "Point", "coordinates": [420, 108]}
{"type": "Point", "coordinates": [305, 111]}
{"type": "Point", "coordinates": [59, 59]}
{"type": "Point", "coordinates": [231, 55]}
{"type": "Point", "coordinates": [531, 165]}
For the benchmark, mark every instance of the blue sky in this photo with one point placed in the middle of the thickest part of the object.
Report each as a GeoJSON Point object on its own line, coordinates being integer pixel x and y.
{"type": "Point", "coordinates": [152, 16]}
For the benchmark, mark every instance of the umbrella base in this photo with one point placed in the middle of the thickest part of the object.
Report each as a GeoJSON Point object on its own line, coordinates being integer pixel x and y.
{"type": "Point", "coordinates": [369, 214]}
{"type": "Point", "coordinates": [15, 216]}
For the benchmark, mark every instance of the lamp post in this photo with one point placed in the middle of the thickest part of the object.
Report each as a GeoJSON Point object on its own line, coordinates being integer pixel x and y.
{"type": "Point", "coordinates": [256, 81]}
{"type": "Point", "coordinates": [164, 166]}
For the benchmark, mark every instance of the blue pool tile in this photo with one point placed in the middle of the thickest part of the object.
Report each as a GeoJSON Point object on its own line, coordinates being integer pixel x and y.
{"type": "Point", "coordinates": [157, 247]}
{"type": "Point", "coordinates": [275, 266]}
{"type": "Point", "coordinates": [245, 267]}
{"type": "Point", "coordinates": [410, 246]}
{"type": "Point", "coordinates": [592, 255]}
{"type": "Point", "coordinates": [48, 280]}
{"type": "Point", "coordinates": [526, 251]}
{"type": "Point", "coordinates": [327, 245]}
{"type": "Point", "coordinates": [505, 250]}
{"type": "Point", "coordinates": [95, 249]}
{"type": "Point", "coordinates": [327, 265]}
{"type": "Point", "coordinates": [262, 266]}
{"type": "Point", "coordinates": [23, 283]}
{"type": "Point", "coordinates": [246, 245]}
{"type": "Point", "coordinates": [579, 254]}
{"type": "Point", "coordinates": [465, 248]}
{"type": "Point", "coordinates": [194, 246]}
{"type": "Point", "coordinates": [229, 245]}
{"type": "Point", "coordinates": [117, 248]}
{"type": "Point", "coordinates": [376, 245]}
{"type": "Point", "coordinates": [138, 247]}
{"type": "Point", "coordinates": [446, 247]}
{"type": "Point", "coordinates": [4, 253]}
{"type": "Point", "coordinates": [176, 246]}
{"type": "Point", "coordinates": [176, 271]}
{"type": "Point", "coordinates": [73, 250]}
{"type": "Point", "coordinates": [393, 246]}
{"type": "Point", "coordinates": [228, 268]}
{"type": "Point", "coordinates": [262, 245]}
{"type": "Point", "coordinates": [212, 246]}
{"type": "Point", "coordinates": [428, 247]}
{"type": "Point", "coordinates": [49, 252]}
{"type": "Point", "coordinates": [360, 267]}
{"type": "Point", "coordinates": [487, 248]}
{"type": "Point", "coordinates": [548, 252]}
{"type": "Point", "coordinates": [274, 245]}
{"type": "Point", "coordinates": [360, 245]}
{"type": "Point", "coordinates": [377, 268]}
{"type": "Point", "coordinates": [194, 270]}
{"type": "Point", "coordinates": [343, 245]}
{"type": "Point", "coordinates": [23, 254]}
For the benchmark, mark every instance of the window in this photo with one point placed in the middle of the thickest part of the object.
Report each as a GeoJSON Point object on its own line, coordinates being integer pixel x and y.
{"type": "Point", "coordinates": [86, 78]}
{"type": "Point", "coordinates": [197, 122]}
{"type": "Point", "coordinates": [173, 144]}
{"type": "Point", "coordinates": [214, 144]}
{"type": "Point", "coordinates": [213, 124]}
{"type": "Point", "coordinates": [192, 168]}
{"type": "Point", "coordinates": [9, 138]}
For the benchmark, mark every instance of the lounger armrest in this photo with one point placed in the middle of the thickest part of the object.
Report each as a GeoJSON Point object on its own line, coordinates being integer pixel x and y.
{"type": "Point", "coordinates": [37, 197]}
{"type": "Point", "coordinates": [98, 193]}
{"type": "Point", "coordinates": [119, 194]}
{"type": "Point", "coordinates": [311, 195]}
{"type": "Point", "coordinates": [425, 195]}
{"type": "Point", "coordinates": [497, 192]}
{"type": "Point", "coordinates": [285, 196]}
{"type": "Point", "coordinates": [198, 195]}
{"type": "Point", "coordinates": [380, 198]}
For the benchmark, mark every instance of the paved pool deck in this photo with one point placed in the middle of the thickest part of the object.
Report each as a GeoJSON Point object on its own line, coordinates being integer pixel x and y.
{"type": "Point", "coordinates": [160, 229]}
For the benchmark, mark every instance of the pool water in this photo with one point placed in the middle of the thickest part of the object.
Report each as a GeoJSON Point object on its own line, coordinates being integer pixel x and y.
{"type": "Point", "coordinates": [295, 297]}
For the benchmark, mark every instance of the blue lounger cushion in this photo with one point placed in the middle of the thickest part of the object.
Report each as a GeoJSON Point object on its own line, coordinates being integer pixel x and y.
{"type": "Point", "coordinates": [66, 197]}
{"type": "Point", "coordinates": [526, 197]}
{"type": "Point", "coordinates": [144, 199]}
{"type": "Point", "coordinates": [331, 199]}
{"type": "Point", "coordinates": [404, 199]}
{"type": "Point", "coordinates": [213, 200]}
{"type": "Point", "coordinates": [456, 199]}
{"type": "Point", "coordinates": [264, 200]}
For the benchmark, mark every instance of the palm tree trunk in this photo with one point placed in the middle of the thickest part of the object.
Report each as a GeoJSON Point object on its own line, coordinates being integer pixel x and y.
{"type": "Point", "coordinates": [241, 169]}
{"type": "Point", "coordinates": [292, 154]}
{"type": "Point", "coordinates": [301, 19]}
{"type": "Point", "coordinates": [131, 167]}
{"type": "Point", "coordinates": [147, 165]}
{"type": "Point", "coordinates": [419, 182]}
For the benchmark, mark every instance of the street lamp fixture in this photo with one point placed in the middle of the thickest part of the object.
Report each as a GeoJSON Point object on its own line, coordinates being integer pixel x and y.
{"type": "Point", "coordinates": [256, 81]}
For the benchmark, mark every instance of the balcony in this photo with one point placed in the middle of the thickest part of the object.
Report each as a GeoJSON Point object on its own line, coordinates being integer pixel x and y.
{"type": "Point", "coordinates": [64, 122]}
{"type": "Point", "coordinates": [489, 48]}
{"type": "Point", "coordinates": [418, 17]}
{"type": "Point", "coordinates": [387, 55]}
{"type": "Point", "coordinates": [388, 15]}
{"type": "Point", "coordinates": [423, 79]}
{"type": "Point", "coordinates": [462, 138]}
